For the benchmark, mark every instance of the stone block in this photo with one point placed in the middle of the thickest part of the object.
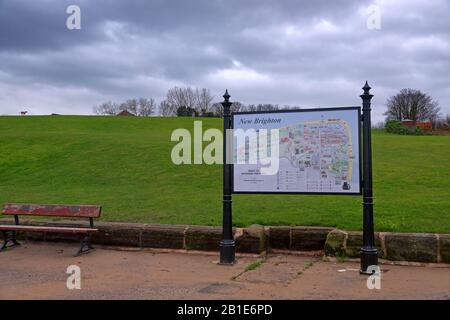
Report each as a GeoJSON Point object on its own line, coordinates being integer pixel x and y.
{"type": "Point", "coordinates": [163, 236]}
{"type": "Point", "coordinates": [280, 238]}
{"type": "Point", "coordinates": [203, 238]}
{"type": "Point", "coordinates": [420, 247]}
{"type": "Point", "coordinates": [308, 238]}
{"type": "Point", "coordinates": [335, 243]}
{"type": "Point", "coordinates": [252, 240]}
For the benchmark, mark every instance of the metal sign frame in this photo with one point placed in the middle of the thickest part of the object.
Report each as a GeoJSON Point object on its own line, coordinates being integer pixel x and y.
{"type": "Point", "coordinates": [356, 108]}
{"type": "Point", "coordinates": [369, 251]}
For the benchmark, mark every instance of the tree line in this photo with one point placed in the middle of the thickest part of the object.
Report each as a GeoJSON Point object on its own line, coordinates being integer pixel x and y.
{"type": "Point", "coordinates": [407, 104]}
{"type": "Point", "coordinates": [181, 101]}
{"type": "Point", "coordinates": [140, 107]}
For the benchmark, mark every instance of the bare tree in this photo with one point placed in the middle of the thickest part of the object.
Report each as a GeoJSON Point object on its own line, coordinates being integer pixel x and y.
{"type": "Point", "coordinates": [178, 97]}
{"type": "Point", "coordinates": [146, 107]}
{"type": "Point", "coordinates": [378, 125]}
{"type": "Point", "coordinates": [217, 108]}
{"type": "Point", "coordinates": [267, 107]}
{"type": "Point", "coordinates": [166, 109]}
{"type": "Point", "coordinates": [251, 108]}
{"type": "Point", "coordinates": [413, 105]}
{"type": "Point", "coordinates": [131, 105]}
{"type": "Point", "coordinates": [107, 108]}
{"type": "Point", "coordinates": [203, 100]}
{"type": "Point", "coordinates": [235, 107]}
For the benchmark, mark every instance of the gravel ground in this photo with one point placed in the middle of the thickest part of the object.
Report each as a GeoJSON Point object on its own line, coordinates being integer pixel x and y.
{"type": "Point", "coordinates": [38, 271]}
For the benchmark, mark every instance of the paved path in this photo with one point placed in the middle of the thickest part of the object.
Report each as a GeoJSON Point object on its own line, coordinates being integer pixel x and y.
{"type": "Point", "coordinates": [38, 271]}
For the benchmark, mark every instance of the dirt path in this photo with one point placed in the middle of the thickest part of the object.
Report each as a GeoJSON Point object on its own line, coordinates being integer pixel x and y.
{"type": "Point", "coordinates": [38, 271]}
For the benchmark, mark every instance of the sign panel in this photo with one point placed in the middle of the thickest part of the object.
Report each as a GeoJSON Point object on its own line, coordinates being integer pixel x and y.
{"type": "Point", "coordinates": [311, 151]}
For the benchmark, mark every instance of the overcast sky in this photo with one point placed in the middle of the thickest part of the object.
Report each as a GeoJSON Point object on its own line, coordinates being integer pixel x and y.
{"type": "Point", "coordinates": [306, 53]}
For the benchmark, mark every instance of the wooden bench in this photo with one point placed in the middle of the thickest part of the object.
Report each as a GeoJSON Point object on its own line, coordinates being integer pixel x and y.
{"type": "Point", "coordinates": [67, 211]}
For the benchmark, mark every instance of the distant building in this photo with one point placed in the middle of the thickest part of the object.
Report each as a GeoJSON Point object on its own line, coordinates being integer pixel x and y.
{"type": "Point", "coordinates": [126, 113]}
{"type": "Point", "coordinates": [412, 125]}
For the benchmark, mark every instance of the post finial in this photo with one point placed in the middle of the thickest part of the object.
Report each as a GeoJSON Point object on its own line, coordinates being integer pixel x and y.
{"type": "Point", "coordinates": [226, 96]}
{"type": "Point", "coordinates": [366, 88]}
{"type": "Point", "coordinates": [366, 96]}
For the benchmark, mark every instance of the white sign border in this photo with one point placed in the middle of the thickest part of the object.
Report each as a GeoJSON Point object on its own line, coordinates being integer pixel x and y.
{"type": "Point", "coordinates": [359, 144]}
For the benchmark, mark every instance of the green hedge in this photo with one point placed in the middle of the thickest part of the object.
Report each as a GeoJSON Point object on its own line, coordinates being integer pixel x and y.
{"type": "Point", "coordinates": [394, 126]}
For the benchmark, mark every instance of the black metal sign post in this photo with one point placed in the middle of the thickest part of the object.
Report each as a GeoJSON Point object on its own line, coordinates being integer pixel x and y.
{"type": "Point", "coordinates": [227, 245]}
{"type": "Point", "coordinates": [369, 253]}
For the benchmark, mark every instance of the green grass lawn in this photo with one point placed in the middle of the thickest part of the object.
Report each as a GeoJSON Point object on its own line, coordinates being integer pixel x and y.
{"type": "Point", "coordinates": [124, 165]}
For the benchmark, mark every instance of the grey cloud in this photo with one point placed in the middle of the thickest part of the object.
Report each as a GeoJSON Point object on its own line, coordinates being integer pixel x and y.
{"type": "Point", "coordinates": [297, 52]}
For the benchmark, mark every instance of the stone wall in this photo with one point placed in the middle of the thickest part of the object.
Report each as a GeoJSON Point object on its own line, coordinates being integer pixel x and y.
{"type": "Point", "coordinates": [419, 247]}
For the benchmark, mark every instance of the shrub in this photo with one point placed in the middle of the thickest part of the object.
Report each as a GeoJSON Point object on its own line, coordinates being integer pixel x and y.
{"type": "Point", "coordinates": [186, 112]}
{"type": "Point", "coordinates": [208, 114]}
{"type": "Point", "coordinates": [418, 131]}
{"type": "Point", "coordinates": [394, 126]}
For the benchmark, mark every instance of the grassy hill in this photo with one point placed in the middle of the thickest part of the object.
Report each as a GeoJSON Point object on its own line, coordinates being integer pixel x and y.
{"type": "Point", "coordinates": [124, 164]}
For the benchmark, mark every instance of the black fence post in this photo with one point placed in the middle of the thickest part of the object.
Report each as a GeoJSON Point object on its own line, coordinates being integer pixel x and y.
{"type": "Point", "coordinates": [369, 253]}
{"type": "Point", "coordinates": [227, 245]}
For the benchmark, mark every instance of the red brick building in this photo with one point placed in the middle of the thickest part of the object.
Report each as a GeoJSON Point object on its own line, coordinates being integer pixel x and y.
{"type": "Point", "coordinates": [422, 125]}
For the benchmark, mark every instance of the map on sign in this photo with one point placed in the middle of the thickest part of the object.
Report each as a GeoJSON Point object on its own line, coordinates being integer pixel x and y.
{"type": "Point", "coordinates": [318, 151]}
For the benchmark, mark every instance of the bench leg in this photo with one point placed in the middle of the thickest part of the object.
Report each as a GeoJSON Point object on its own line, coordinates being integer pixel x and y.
{"type": "Point", "coordinates": [85, 245]}
{"type": "Point", "coordinates": [9, 236]}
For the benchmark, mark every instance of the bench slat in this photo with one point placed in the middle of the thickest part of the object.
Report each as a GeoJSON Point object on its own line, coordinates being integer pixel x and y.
{"type": "Point", "coordinates": [52, 210]}
{"type": "Point", "coordinates": [46, 229]}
